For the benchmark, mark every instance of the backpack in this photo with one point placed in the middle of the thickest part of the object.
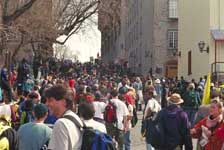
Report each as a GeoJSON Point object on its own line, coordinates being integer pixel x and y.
{"type": "Point", "coordinates": [94, 140]}
{"type": "Point", "coordinates": [4, 142]}
{"type": "Point", "coordinates": [26, 117]}
{"type": "Point", "coordinates": [134, 119]}
{"type": "Point", "coordinates": [110, 115]}
{"type": "Point", "coordinates": [5, 123]}
{"type": "Point", "coordinates": [155, 131]}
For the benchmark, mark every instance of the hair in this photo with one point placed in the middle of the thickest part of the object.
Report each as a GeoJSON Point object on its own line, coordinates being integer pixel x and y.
{"type": "Point", "coordinates": [88, 89]}
{"type": "Point", "coordinates": [59, 92]}
{"type": "Point", "coordinates": [39, 113]}
{"type": "Point", "coordinates": [28, 105]}
{"type": "Point", "coordinates": [26, 93]}
{"type": "Point", "coordinates": [33, 95]}
{"type": "Point", "coordinates": [114, 93]}
{"type": "Point", "coordinates": [35, 88]}
{"type": "Point", "coordinates": [86, 110]}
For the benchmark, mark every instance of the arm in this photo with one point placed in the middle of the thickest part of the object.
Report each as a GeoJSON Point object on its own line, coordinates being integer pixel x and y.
{"type": "Point", "coordinates": [196, 131]}
{"type": "Point", "coordinates": [13, 114]}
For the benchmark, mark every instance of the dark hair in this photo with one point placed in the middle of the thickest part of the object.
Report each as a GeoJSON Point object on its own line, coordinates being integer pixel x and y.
{"type": "Point", "coordinates": [86, 110]}
{"type": "Point", "coordinates": [33, 95]}
{"type": "Point", "coordinates": [35, 88]}
{"type": "Point", "coordinates": [88, 89]}
{"type": "Point", "coordinates": [28, 105]}
{"type": "Point", "coordinates": [59, 92]}
{"type": "Point", "coordinates": [25, 93]}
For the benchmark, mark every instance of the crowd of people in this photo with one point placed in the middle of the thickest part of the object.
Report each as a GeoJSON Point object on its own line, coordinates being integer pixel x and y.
{"type": "Point", "coordinates": [49, 108]}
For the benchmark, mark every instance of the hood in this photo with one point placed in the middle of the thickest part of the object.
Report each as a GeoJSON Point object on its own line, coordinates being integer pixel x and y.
{"type": "Point", "coordinates": [172, 111]}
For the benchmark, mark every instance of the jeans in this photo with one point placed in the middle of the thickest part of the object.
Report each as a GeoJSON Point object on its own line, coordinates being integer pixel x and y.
{"type": "Point", "coordinates": [127, 140]}
{"type": "Point", "coordinates": [149, 147]}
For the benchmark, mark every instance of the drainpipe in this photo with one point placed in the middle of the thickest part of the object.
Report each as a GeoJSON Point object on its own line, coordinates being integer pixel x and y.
{"type": "Point", "coordinates": [216, 59]}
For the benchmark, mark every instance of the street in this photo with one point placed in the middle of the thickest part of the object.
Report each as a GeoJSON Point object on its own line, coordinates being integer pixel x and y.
{"type": "Point", "coordinates": [138, 142]}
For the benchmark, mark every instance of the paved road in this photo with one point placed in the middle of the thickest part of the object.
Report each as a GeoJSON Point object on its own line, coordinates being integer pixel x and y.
{"type": "Point", "coordinates": [137, 142]}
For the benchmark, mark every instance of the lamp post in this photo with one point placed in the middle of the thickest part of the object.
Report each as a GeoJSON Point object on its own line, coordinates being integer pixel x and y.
{"type": "Point", "coordinates": [202, 48]}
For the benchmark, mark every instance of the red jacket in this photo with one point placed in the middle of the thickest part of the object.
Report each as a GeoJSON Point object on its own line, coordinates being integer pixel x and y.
{"type": "Point", "coordinates": [215, 142]}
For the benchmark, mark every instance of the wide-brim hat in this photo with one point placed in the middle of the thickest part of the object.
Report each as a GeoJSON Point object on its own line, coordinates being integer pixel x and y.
{"type": "Point", "coordinates": [175, 99]}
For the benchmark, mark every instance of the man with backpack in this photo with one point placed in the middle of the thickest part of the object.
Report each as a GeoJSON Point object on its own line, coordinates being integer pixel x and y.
{"type": "Point", "coordinates": [152, 107]}
{"type": "Point", "coordinates": [115, 116]}
{"type": "Point", "coordinates": [66, 135]}
{"type": "Point", "coordinates": [191, 102]}
{"type": "Point", "coordinates": [171, 129]}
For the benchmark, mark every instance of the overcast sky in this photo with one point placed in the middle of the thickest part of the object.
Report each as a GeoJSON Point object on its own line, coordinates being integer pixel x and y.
{"type": "Point", "coordinates": [86, 44]}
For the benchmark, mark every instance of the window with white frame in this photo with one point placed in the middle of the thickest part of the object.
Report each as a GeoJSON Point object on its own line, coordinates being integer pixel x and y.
{"type": "Point", "coordinates": [172, 39]}
{"type": "Point", "coordinates": [173, 10]}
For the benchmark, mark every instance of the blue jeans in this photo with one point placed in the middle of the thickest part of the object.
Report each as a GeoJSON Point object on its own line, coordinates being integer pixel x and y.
{"type": "Point", "coordinates": [127, 140]}
{"type": "Point", "coordinates": [149, 147]}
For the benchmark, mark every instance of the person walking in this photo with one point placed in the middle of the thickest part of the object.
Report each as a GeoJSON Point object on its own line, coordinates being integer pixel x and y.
{"type": "Point", "coordinates": [176, 125]}
{"type": "Point", "coordinates": [60, 103]}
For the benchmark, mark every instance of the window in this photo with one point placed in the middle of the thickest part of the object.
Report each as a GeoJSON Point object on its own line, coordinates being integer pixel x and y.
{"type": "Point", "coordinates": [189, 63]}
{"type": "Point", "coordinates": [173, 9]}
{"type": "Point", "coordinates": [172, 39]}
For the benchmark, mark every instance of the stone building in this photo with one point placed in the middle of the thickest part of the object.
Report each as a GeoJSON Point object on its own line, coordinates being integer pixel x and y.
{"type": "Point", "coordinates": [148, 37]}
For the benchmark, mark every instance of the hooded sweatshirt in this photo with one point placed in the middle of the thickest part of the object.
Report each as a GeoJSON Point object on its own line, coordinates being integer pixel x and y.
{"type": "Point", "coordinates": [177, 128]}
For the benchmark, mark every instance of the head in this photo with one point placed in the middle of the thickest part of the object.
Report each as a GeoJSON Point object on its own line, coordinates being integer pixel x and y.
{"type": "Point", "coordinates": [215, 109]}
{"type": "Point", "coordinates": [191, 86]}
{"type": "Point", "coordinates": [114, 93]}
{"type": "Point", "coordinates": [59, 98]}
{"type": "Point", "coordinates": [175, 99]}
{"type": "Point", "coordinates": [40, 112]}
{"type": "Point", "coordinates": [34, 97]}
{"type": "Point", "coordinates": [86, 110]}
{"type": "Point", "coordinates": [149, 94]}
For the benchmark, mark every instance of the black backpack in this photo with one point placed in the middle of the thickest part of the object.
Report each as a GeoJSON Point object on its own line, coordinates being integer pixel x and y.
{"type": "Point", "coordinates": [155, 131]}
{"type": "Point", "coordinates": [93, 139]}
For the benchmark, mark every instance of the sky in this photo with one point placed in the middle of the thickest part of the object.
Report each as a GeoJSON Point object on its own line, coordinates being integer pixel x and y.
{"type": "Point", "coordinates": [85, 44]}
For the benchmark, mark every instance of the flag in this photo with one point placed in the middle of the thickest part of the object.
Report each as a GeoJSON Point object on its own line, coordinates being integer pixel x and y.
{"type": "Point", "coordinates": [206, 94]}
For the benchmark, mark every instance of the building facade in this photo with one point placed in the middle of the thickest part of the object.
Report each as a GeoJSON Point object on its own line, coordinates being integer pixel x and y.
{"type": "Point", "coordinates": [148, 37]}
{"type": "Point", "coordinates": [201, 38]}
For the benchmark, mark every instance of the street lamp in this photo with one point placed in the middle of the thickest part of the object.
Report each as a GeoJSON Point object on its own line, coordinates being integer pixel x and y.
{"type": "Point", "coordinates": [201, 46]}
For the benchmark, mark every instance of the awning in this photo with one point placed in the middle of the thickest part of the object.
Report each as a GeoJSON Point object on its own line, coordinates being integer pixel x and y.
{"type": "Point", "coordinates": [218, 35]}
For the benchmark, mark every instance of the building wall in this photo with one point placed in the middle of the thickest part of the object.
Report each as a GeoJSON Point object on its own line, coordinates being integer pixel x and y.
{"type": "Point", "coordinates": [195, 21]}
{"type": "Point", "coordinates": [161, 24]}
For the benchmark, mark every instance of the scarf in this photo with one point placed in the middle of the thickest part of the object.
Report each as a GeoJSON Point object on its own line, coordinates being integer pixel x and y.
{"type": "Point", "coordinates": [213, 122]}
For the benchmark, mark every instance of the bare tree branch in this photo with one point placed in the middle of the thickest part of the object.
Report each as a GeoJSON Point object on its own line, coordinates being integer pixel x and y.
{"type": "Point", "coordinates": [18, 12]}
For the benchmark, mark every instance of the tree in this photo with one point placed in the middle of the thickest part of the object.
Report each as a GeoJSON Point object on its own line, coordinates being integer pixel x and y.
{"type": "Point", "coordinates": [40, 27]}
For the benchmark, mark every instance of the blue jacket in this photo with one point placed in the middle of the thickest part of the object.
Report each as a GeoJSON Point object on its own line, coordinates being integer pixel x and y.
{"type": "Point", "coordinates": [177, 128]}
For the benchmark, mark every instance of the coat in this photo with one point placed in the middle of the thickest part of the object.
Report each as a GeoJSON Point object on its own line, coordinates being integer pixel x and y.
{"type": "Point", "coordinates": [214, 143]}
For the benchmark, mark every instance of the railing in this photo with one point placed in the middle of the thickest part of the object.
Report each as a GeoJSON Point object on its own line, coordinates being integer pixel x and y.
{"type": "Point", "coordinates": [217, 71]}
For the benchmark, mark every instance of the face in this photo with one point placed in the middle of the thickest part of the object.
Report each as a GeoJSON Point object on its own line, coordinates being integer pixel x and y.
{"type": "Point", "coordinates": [55, 107]}
{"type": "Point", "coordinates": [214, 110]}
{"type": "Point", "coordinates": [36, 100]}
